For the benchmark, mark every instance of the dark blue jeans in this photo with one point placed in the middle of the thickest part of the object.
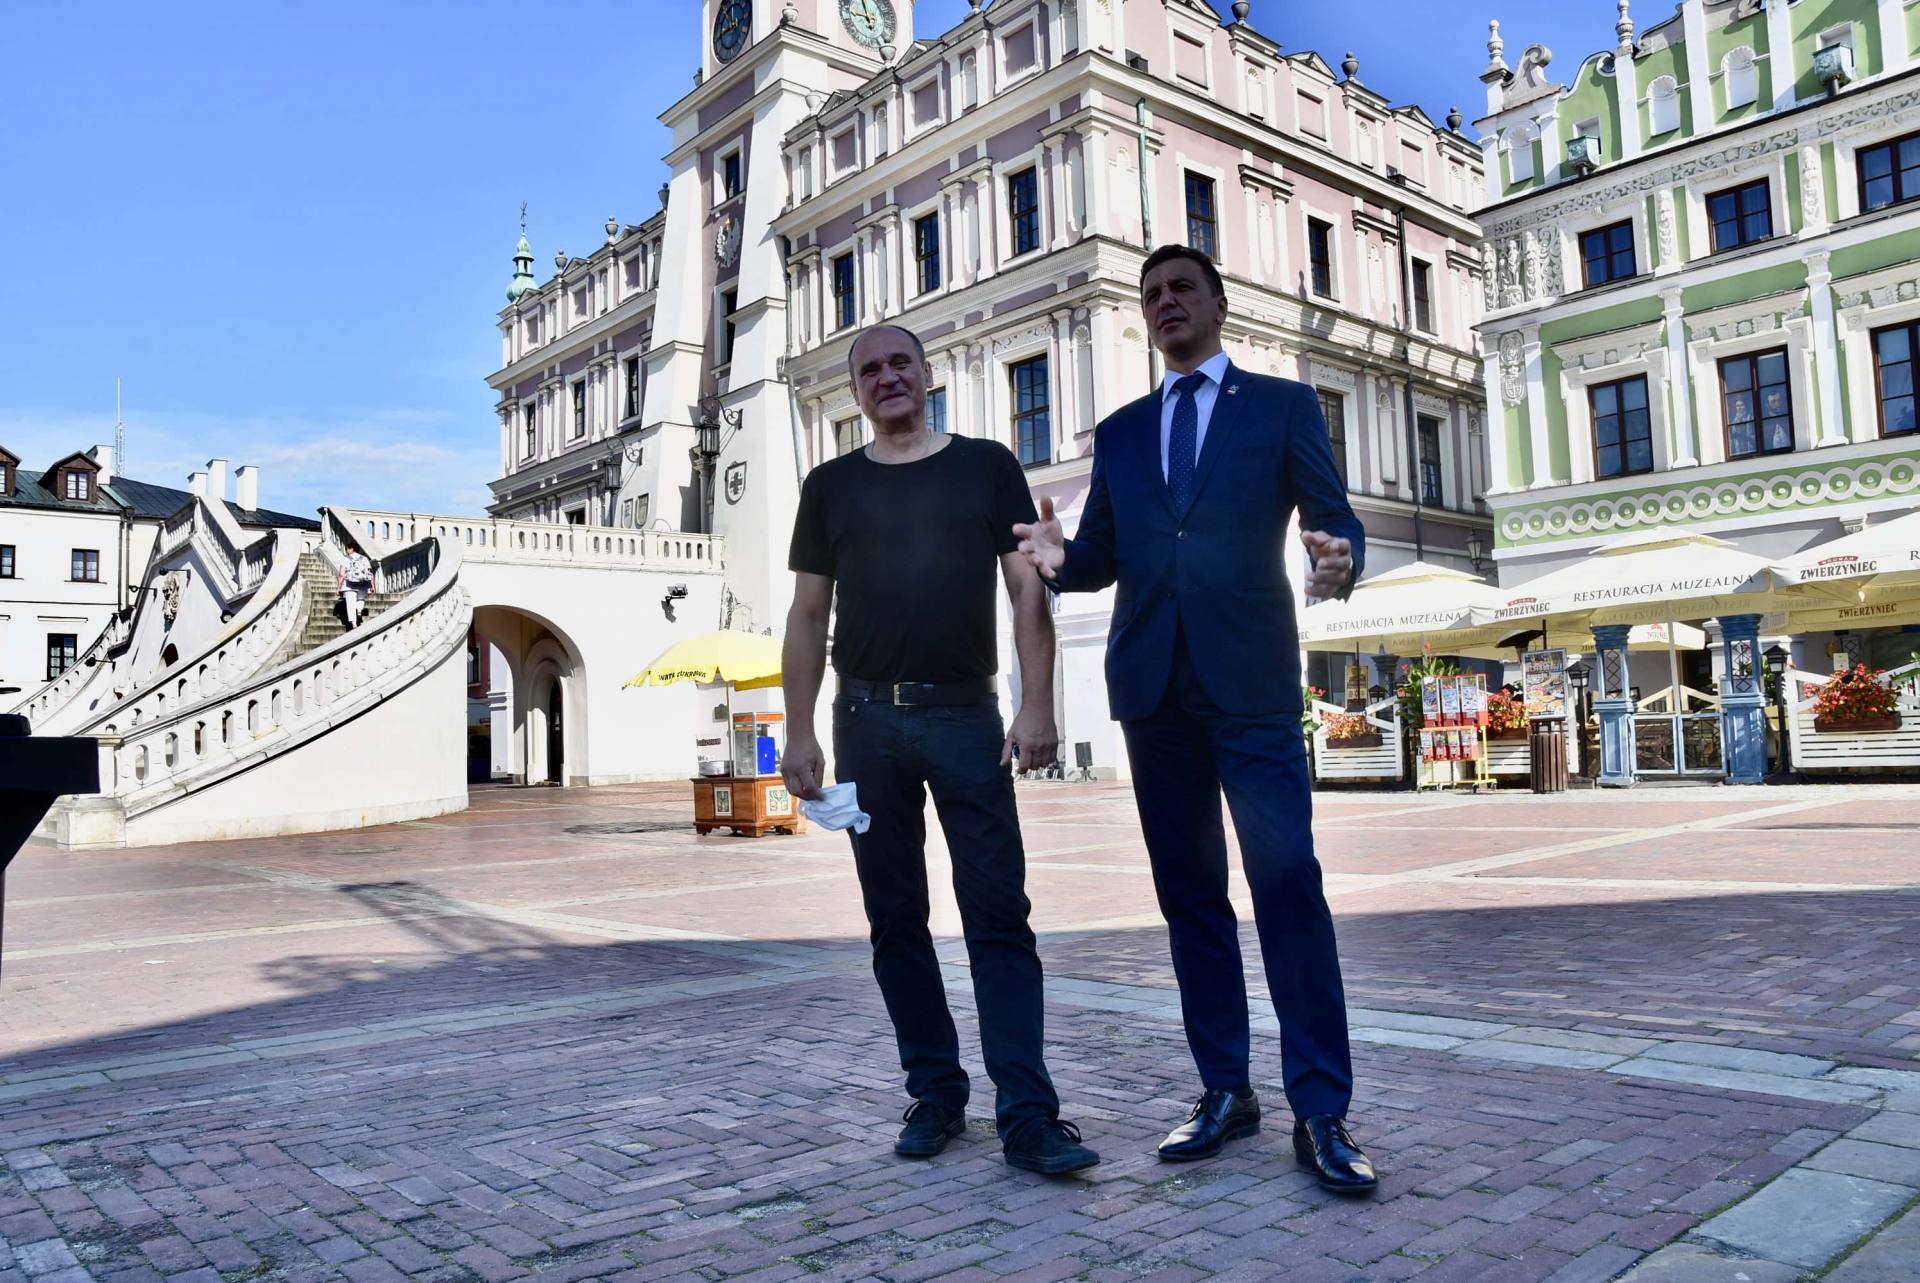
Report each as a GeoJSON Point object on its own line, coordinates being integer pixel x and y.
{"type": "Point", "coordinates": [894, 755]}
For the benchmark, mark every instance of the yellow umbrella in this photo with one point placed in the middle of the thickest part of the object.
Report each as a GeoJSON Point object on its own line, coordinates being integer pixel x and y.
{"type": "Point", "coordinates": [745, 661]}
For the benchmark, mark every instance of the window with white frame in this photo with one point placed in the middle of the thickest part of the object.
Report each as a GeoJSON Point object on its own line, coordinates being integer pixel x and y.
{"type": "Point", "coordinates": [1020, 51]}
{"type": "Point", "coordinates": [1413, 162]}
{"type": "Point", "coordinates": [1032, 416]}
{"type": "Point", "coordinates": [1313, 115]}
{"type": "Point", "coordinates": [924, 100]}
{"type": "Point", "coordinates": [926, 252]}
{"type": "Point", "coordinates": [846, 150]}
{"type": "Point", "coordinates": [1333, 408]}
{"type": "Point", "coordinates": [1320, 256]}
{"type": "Point", "coordinates": [848, 435]}
{"type": "Point", "coordinates": [1190, 59]}
{"type": "Point", "coordinates": [729, 179]}
{"type": "Point", "coordinates": [1023, 211]}
{"type": "Point", "coordinates": [1203, 220]}
{"type": "Point", "coordinates": [1740, 77]}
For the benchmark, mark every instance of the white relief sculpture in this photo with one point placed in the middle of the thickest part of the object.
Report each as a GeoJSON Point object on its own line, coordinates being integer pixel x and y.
{"type": "Point", "coordinates": [1513, 382]}
{"type": "Point", "coordinates": [1510, 274]}
{"type": "Point", "coordinates": [1663, 216]}
{"type": "Point", "coordinates": [1813, 195]}
{"type": "Point", "coordinates": [1489, 274]}
{"type": "Point", "coordinates": [1531, 283]}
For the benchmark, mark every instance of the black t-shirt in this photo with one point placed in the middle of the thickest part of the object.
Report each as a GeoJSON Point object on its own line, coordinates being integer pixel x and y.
{"type": "Point", "coordinates": [914, 552]}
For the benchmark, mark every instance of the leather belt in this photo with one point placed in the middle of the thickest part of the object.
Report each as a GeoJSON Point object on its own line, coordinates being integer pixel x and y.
{"type": "Point", "coordinates": [919, 694]}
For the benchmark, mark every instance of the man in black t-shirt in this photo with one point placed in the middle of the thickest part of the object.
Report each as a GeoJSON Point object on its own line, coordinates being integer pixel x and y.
{"type": "Point", "coordinates": [909, 532]}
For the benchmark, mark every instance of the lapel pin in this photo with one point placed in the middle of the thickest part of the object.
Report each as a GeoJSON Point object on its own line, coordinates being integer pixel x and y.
{"type": "Point", "coordinates": [1232, 388]}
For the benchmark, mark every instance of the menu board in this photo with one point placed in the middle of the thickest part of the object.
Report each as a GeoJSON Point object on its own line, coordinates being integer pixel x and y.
{"type": "Point", "coordinates": [1544, 680]}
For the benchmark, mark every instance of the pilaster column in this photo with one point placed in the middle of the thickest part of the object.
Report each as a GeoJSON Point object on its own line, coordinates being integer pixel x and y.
{"type": "Point", "coordinates": [1743, 718]}
{"type": "Point", "coordinates": [987, 243]}
{"type": "Point", "coordinates": [1498, 473]}
{"type": "Point", "coordinates": [1826, 360]}
{"type": "Point", "coordinates": [1693, 23]}
{"type": "Point", "coordinates": [1614, 705]}
{"type": "Point", "coordinates": [1064, 383]}
{"type": "Point", "coordinates": [1057, 191]}
{"type": "Point", "coordinates": [1681, 443]}
{"type": "Point", "coordinates": [1542, 473]}
{"type": "Point", "coordinates": [1893, 37]}
{"type": "Point", "coordinates": [1780, 60]}
{"type": "Point", "coordinates": [1093, 173]}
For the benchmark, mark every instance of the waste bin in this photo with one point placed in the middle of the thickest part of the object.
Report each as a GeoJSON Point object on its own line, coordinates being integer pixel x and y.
{"type": "Point", "coordinates": [1547, 757]}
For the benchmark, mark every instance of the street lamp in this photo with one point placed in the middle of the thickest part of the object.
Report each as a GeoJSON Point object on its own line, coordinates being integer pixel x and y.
{"type": "Point", "coordinates": [1477, 550]}
{"type": "Point", "coordinates": [1578, 673]}
{"type": "Point", "coordinates": [709, 416]}
{"type": "Point", "coordinates": [1775, 657]}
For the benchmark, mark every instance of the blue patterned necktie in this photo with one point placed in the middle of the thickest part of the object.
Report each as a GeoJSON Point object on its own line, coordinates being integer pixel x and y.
{"type": "Point", "coordinates": [1181, 440]}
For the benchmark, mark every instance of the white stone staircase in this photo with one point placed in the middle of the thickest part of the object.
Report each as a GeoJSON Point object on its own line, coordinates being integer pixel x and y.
{"type": "Point", "coordinates": [281, 721]}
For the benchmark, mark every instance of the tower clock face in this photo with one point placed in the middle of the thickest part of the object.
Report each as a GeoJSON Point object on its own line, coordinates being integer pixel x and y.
{"type": "Point", "coordinates": [870, 21]}
{"type": "Point", "coordinates": [732, 28]}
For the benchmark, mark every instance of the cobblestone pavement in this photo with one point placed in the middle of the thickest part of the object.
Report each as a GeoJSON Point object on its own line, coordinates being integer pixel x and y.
{"type": "Point", "coordinates": [1669, 1035]}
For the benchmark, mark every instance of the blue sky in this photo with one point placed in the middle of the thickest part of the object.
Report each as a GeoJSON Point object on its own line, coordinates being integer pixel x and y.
{"type": "Point", "coordinates": [287, 227]}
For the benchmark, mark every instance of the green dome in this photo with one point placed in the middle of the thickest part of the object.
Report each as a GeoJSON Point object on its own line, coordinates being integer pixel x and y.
{"type": "Point", "coordinates": [522, 271]}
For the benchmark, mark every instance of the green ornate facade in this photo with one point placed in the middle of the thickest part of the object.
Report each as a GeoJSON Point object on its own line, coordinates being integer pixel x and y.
{"type": "Point", "coordinates": [1702, 281]}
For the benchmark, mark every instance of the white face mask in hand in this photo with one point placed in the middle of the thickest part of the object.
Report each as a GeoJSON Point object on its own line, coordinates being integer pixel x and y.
{"type": "Point", "coordinates": [838, 808]}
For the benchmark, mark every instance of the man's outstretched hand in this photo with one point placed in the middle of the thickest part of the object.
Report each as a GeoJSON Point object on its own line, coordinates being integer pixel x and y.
{"type": "Point", "coordinates": [1332, 563]}
{"type": "Point", "coordinates": [1042, 543]}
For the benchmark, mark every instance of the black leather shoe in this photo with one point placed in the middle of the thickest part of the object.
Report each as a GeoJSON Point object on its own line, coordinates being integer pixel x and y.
{"type": "Point", "coordinates": [1325, 1147]}
{"type": "Point", "coordinates": [1220, 1116]}
{"type": "Point", "coordinates": [929, 1128]}
{"type": "Point", "coordinates": [1048, 1146]}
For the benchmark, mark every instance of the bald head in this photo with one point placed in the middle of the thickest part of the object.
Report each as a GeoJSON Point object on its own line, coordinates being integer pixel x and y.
{"type": "Point", "coordinates": [913, 340]}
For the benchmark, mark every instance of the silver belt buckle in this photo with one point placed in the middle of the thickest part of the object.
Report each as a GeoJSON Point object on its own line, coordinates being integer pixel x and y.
{"type": "Point", "coordinates": [897, 702]}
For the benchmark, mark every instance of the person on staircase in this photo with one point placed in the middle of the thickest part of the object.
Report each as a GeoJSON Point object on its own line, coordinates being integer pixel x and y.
{"type": "Point", "coordinates": [356, 585]}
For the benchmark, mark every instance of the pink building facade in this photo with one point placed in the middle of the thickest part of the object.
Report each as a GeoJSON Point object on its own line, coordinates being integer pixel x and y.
{"type": "Point", "coordinates": [995, 187]}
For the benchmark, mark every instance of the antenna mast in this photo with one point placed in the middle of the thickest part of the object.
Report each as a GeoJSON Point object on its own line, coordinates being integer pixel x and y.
{"type": "Point", "coordinates": [119, 433]}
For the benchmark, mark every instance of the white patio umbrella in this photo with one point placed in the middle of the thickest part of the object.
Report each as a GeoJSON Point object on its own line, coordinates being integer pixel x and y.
{"type": "Point", "coordinates": [1400, 610]}
{"type": "Point", "coordinates": [1861, 580]}
{"type": "Point", "coordinates": [1658, 576]}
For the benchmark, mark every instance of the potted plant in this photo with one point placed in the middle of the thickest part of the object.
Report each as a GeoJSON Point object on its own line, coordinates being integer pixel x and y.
{"type": "Point", "coordinates": [1308, 722]}
{"type": "Point", "coordinates": [1506, 717]}
{"type": "Point", "coordinates": [1854, 700]}
{"type": "Point", "coordinates": [1350, 730]}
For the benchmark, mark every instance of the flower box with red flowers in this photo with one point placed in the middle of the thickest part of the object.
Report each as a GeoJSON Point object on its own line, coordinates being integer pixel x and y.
{"type": "Point", "coordinates": [1350, 730]}
{"type": "Point", "coordinates": [1506, 717]}
{"type": "Point", "coordinates": [1854, 700]}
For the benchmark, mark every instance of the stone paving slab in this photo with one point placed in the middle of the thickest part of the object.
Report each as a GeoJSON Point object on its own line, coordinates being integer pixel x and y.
{"type": "Point", "coordinates": [1806, 1218]}
{"type": "Point", "coordinates": [559, 1038]}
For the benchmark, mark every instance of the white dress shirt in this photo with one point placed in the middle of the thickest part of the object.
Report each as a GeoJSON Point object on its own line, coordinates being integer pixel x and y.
{"type": "Point", "coordinates": [1204, 397]}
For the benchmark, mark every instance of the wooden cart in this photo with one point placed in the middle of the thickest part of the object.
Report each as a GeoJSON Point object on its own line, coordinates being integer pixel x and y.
{"type": "Point", "coordinates": [749, 807]}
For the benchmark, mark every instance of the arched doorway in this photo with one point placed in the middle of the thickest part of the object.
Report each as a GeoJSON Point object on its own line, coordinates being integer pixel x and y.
{"type": "Point", "coordinates": [538, 685]}
{"type": "Point", "coordinates": [556, 735]}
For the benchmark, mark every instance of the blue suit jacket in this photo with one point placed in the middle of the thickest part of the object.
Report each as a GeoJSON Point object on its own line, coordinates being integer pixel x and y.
{"type": "Point", "coordinates": [1218, 570]}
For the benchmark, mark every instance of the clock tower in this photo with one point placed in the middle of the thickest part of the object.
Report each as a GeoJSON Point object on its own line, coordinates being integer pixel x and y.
{"type": "Point", "coordinates": [717, 402]}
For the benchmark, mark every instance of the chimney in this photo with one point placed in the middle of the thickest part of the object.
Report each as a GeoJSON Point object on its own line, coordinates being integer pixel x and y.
{"type": "Point", "coordinates": [246, 487]}
{"type": "Point", "coordinates": [216, 480]}
{"type": "Point", "coordinates": [103, 455]}
{"type": "Point", "coordinates": [198, 484]}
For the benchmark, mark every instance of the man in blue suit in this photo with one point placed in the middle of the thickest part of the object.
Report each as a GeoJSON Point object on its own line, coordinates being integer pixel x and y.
{"type": "Point", "coordinates": [1187, 512]}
